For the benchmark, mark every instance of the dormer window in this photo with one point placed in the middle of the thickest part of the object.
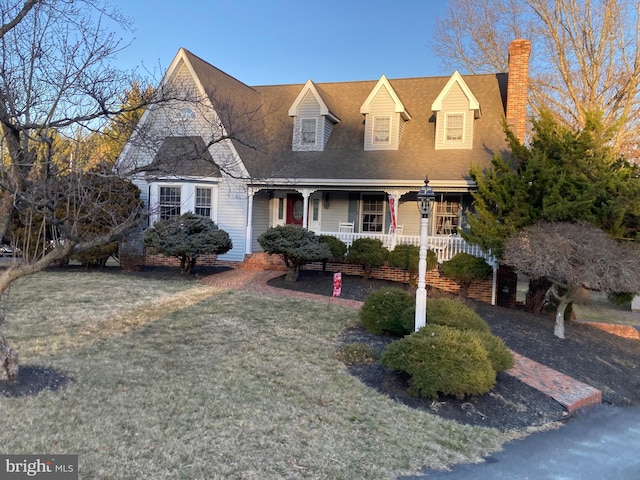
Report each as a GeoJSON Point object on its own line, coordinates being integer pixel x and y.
{"type": "Point", "coordinates": [308, 132]}
{"type": "Point", "coordinates": [381, 130]}
{"type": "Point", "coordinates": [312, 120]}
{"type": "Point", "coordinates": [385, 116]}
{"type": "Point", "coordinates": [456, 109]}
{"type": "Point", "coordinates": [454, 127]}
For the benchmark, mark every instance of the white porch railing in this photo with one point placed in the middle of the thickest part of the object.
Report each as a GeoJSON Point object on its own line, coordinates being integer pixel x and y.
{"type": "Point", "coordinates": [444, 246]}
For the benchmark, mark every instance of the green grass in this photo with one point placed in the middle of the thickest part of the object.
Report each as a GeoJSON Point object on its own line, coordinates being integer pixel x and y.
{"type": "Point", "coordinates": [190, 382]}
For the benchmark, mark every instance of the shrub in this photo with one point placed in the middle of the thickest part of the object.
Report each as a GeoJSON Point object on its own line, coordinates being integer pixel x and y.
{"type": "Point", "coordinates": [368, 252]}
{"type": "Point", "coordinates": [407, 258]}
{"type": "Point", "coordinates": [441, 359]}
{"type": "Point", "coordinates": [466, 269]}
{"type": "Point", "coordinates": [453, 313]}
{"type": "Point", "coordinates": [186, 237]}
{"type": "Point", "coordinates": [357, 353]}
{"type": "Point", "coordinates": [338, 247]}
{"type": "Point", "coordinates": [297, 246]}
{"type": "Point", "coordinates": [382, 312]}
{"type": "Point", "coordinates": [500, 356]}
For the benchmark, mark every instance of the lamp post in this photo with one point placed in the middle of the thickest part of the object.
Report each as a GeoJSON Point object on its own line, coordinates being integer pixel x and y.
{"type": "Point", "coordinates": [426, 198]}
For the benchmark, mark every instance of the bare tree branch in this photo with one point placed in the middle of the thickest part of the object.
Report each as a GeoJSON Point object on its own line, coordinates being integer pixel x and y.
{"type": "Point", "coordinates": [585, 55]}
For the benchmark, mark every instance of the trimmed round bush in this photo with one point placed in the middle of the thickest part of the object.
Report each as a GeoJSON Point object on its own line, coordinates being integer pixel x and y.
{"type": "Point", "coordinates": [465, 269]}
{"type": "Point", "coordinates": [381, 313]}
{"type": "Point", "coordinates": [500, 356]}
{"type": "Point", "coordinates": [407, 257]}
{"type": "Point", "coordinates": [444, 311]}
{"type": "Point", "coordinates": [338, 247]}
{"type": "Point", "coordinates": [367, 252]}
{"type": "Point", "coordinates": [442, 360]}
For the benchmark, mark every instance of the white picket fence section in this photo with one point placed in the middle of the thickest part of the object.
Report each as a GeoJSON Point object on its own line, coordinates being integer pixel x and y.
{"type": "Point", "coordinates": [444, 246]}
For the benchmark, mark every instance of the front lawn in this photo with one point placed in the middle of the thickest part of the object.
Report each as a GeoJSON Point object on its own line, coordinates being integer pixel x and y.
{"type": "Point", "coordinates": [173, 380]}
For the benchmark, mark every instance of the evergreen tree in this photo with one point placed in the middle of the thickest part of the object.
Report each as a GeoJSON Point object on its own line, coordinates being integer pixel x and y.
{"type": "Point", "coordinates": [187, 237]}
{"type": "Point", "coordinates": [561, 176]}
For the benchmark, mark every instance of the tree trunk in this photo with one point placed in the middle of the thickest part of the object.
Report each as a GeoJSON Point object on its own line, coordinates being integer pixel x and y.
{"type": "Point", "coordinates": [538, 289]}
{"type": "Point", "coordinates": [293, 273]}
{"type": "Point", "coordinates": [8, 357]}
{"type": "Point", "coordinates": [558, 329]}
{"type": "Point", "coordinates": [8, 361]}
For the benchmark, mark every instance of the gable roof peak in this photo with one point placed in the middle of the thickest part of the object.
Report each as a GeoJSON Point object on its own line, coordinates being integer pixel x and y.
{"type": "Point", "coordinates": [309, 87]}
{"type": "Point", "coordinates": [384, 83]}
{"type": "Point", "coordinates": [456, 79]}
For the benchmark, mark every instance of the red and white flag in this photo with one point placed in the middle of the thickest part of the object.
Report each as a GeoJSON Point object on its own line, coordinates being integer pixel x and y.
{"type": "Point", "coordinates": [337, 284]}
{"type": "Point", "coordinates": [394, 217]}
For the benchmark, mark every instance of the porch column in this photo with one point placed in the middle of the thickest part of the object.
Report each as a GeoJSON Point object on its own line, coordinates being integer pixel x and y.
{"type": "Point", "coordinates": [393, 196]}
{"type": "Point", "coordinates": [305, 207]}
{"type": "Point", "coordinates": [249, 229]}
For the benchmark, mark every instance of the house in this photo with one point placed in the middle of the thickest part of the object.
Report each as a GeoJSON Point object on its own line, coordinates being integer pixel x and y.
{"type": "Point", "coordinates": [343, 158]}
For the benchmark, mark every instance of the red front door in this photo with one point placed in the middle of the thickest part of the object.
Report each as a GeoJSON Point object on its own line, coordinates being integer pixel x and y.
{"type": "Point", "coordinates": [295, 208]}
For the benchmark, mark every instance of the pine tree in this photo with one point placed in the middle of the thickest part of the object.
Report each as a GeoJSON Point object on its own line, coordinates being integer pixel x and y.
{"type": "Point", "coordinates": [561, 176]}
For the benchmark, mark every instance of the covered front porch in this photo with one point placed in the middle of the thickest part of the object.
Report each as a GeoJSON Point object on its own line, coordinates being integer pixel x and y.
{"type": "Point", "coordinates": [390, 215]}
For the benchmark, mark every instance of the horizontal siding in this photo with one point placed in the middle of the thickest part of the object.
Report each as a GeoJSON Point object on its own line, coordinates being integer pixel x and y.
{"type": "Point", "coordinates": [163, 123]}
{"type": "Point", "coordinates": [232, 205]}
{"type": "Point", "coordinates": [455, 102]}
{"type": "Point", "coordinates": [328, 127]}
{"type": "Point", "coordinates": [382, 105]}
{"type": "Point", "coordinates": [309, 107]}
{"type": "Point", "coordinates": [337, 212]}
{"type": "Point", "coordinates": [409, 218]}
{"type": "Point", "coordinates": [261, 219]}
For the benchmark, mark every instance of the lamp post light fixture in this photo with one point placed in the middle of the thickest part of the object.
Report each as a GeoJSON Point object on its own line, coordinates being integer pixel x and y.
{"type": "Point", "coordinates": [426, 197]}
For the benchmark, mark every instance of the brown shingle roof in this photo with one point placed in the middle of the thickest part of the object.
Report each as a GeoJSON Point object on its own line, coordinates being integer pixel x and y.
{"type": "Point", "coordinates": [344, 157]}
{"type": "Point", "coordinates": [183, 157]}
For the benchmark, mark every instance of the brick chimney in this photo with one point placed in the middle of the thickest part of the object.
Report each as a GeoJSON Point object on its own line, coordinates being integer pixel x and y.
{"type": "Point", "coordinates": [517, 87]}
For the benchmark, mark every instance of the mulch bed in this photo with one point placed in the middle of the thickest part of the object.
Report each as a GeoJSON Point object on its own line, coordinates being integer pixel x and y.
{"type": "Point", "coordinates": [605, 361]}
{"type": "Point", "coordinates": [33, 379]}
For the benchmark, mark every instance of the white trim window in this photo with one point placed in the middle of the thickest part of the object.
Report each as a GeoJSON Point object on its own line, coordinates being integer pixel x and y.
{"type": "Point", "coordinates": [447, 215]}
{"type": "Point", "coordinates": [168, 202]}
{"type": "Point", "coordinates": [203, 201]}
{"type": "Point", "coordinates": [454, 128]}
{"type": "Point", "coordinates": [381, 130]}
{"type": "Point", "coordinates": [373, 207]}
{"type": "Point", "coordinates": [308, 131]}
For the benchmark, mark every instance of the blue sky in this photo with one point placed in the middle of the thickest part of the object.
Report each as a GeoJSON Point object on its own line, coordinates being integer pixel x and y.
{"type": "Point", "coordinates": [262, 42]}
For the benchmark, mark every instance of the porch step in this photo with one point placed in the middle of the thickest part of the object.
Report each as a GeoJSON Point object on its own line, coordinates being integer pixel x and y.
{"type": "Point", "coordinates": [263, 261]}
{"type": "Point", "coordinates": [570, 393]}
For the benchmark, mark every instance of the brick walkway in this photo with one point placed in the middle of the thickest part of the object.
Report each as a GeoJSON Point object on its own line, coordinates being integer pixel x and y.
{"type": "Point", "coordinates": [570, 393]}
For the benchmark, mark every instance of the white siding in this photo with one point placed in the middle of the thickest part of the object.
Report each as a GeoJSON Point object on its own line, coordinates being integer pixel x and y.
{"type": "Point", "coordinates": [260, 221]}
{"type": "Point", "coordinates": [455, 102]}
{"type": "Point", "coordinates": [328, 127]}
{"type": "Point", "coordinates": [232, 217]}
{"type": "Point", "coordinates": [409, 218]}
{"type": "Point", "coordinates": [382, 105]}
{"type": "Point", "coordinates": [308, 108]}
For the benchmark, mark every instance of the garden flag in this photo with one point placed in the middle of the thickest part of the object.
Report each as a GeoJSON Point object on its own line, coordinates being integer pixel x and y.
{"type": "Point", "coordinates": [337, 284]}
{"type": "Point", "coordinates": [394, 217]}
